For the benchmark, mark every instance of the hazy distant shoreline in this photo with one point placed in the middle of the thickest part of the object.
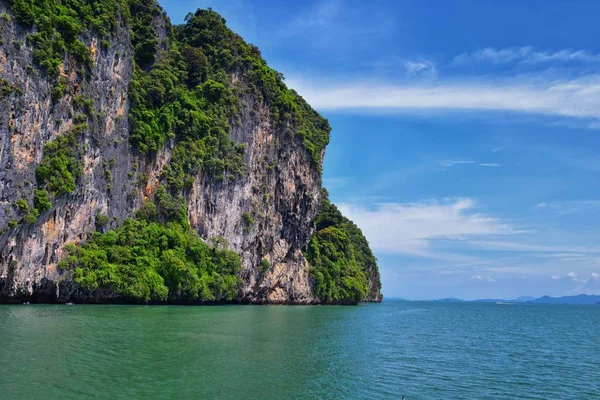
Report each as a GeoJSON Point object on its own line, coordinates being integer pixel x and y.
{"type": "Point", "coordinates": [584, 299]}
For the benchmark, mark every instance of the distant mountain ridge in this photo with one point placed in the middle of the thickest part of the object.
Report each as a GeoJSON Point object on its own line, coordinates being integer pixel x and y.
{"type": "Point", "coordinates": [578, 299]}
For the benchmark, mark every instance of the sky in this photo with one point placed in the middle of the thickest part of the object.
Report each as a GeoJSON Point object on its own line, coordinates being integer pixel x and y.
{"type": "Point", "coordinates": [465, 135]}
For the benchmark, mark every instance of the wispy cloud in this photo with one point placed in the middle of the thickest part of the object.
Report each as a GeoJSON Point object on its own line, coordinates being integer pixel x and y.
{"type": "Point", "coordinates": [568, 207]}
{"type": "Point", "coordinates": [412, 227]}
{"type": "Point", "coordinates": [570, 256]}
{"type": "Point", "coordinates": [483, 278]}
{"type": "Point", "coordinates": [578, 97]}
{"type": "Point", "coordinates": [331, 24]}
{"type": "Point", "coordinates": [526, 55]}
{"type": "Point", "coordinates": [573, 277]}
{"type": "Point", "coordinates": [419, 67]}
{"type": "Point", "coordinates": [579, 283]}
{"type": "Point", "coordinates": [412, 67]}
{"type": "Point", "coordinates": [322, 15]}
{"type": "Point", "coordinates": [446, 164]}
{"type": "Point", "coordinates": [511, 246]}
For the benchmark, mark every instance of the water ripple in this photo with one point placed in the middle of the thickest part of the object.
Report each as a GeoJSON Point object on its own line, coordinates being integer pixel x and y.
{"type": "Point", "coordinates": [422, 350]}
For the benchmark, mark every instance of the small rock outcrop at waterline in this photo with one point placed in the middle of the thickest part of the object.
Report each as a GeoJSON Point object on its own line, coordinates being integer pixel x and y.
{"type": "Point", "coordinates": [142, 161]}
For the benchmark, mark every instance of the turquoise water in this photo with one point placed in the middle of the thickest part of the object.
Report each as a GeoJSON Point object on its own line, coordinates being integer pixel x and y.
{"type": "Point", "coordinates": [375, 351]}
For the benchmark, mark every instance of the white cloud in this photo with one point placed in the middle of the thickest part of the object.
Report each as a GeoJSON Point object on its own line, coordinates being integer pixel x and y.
{"type": "Point", "coordinates": [526, 55]}
{"type": "Point", "coordinates": [569, 207]}
{"type": "Point", "coordinates": [452, 163]}
{"type": "Point", "coordinates": [393, 64]}
{"type": "Point", "coordinates": [578, 97]}
{"type": "Point", "coordinates": [422, 66]}
{"type": "Point", "coordinates": [575, 278]}
{"type": "Point", "coordinates": [491, 165]}
{"type": "Point", "coordinates": [483, 278]}
{"type": "Point", "coordinates": [446, 164]}
{"type": "Point", "coordinates": [532, 247]}
{"type": "Point", "coordinates": [570, 257]}
{"type": "Point", "coordinates": [410, 228]}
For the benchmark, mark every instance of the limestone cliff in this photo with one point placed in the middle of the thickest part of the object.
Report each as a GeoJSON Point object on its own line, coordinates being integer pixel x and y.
{"type": "Point", "coordinates": [263, 199]}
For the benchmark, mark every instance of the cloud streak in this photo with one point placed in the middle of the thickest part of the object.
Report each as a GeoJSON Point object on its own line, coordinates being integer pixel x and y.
{"type": "Point", "coordinates": [420, 67]}
{"type": "Point", "coordinates": [573, 277]}
{"type": "Point", "coordinates": [508, 246]}
{"type": "Point", "coordinates": [447, 164]}
{"type": "Point", "coordinates": [452, 163]}
{"type": "Point", "coordinates": [483, 278]}
{"type": "Point", "coordinates": [578, 98]}
{"type": "Point", "coordinates": [527, 55]}
{"type": "Point", "coordinates": [489, 165]}
{"type": "Point", "coordinates": [568, 207]}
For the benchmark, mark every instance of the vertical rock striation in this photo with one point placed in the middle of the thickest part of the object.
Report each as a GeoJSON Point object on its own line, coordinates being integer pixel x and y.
{"type": "Point", "coordinates": [30, 118]}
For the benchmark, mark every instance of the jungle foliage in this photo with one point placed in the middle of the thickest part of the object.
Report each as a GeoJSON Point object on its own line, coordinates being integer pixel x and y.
{"type": "Point", "coordinates": [59, 26]}
{"type": "Point", "coordinates": [340, 257]}
{"type": "Point", "coordinates": [147, 261]}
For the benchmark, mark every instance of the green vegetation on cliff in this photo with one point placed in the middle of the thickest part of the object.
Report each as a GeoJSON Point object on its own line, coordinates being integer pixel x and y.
{"type": "Point", "coordinates": [188, 92]}
{"type": "Point", "coordinates": [339, 256]}
{"type": "Point", "coordinates": [149, 261]}
{"type": "Point", "coordinates": [60, 167]}
{"type": "Point", "coordinates": [60, 24]}
{"type": "Point", "coordinates": [217, 52]}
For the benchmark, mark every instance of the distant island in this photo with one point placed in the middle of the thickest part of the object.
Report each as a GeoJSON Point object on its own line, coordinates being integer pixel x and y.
{"type": "Point", "coordinates": [578, 299]}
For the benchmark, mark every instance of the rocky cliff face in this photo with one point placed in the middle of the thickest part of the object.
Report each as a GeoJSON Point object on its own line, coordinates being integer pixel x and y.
{"type": "Point", "coordinates": [282, 201]}
{"type": "Point", "coordinates": [30, 118]}
{"type": "Point", "coordinates": [266, 214]}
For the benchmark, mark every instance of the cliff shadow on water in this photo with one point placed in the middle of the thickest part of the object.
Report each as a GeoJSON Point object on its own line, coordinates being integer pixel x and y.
{"type": "Point", "coordinates": [145, 162]}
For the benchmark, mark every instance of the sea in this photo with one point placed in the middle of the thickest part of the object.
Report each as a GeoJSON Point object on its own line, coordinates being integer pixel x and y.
{"type": "Point", "coordinates": [422, 350]}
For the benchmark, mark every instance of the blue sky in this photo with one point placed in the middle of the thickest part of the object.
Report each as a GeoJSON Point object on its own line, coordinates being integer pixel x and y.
{"type": "Point", "coordinates": [466, 134]}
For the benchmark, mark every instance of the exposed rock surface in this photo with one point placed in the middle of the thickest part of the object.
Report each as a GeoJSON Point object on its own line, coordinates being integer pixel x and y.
{"type": "Point", "coordinates": [281, 187]}
{"type": "Point", "coordinates": [28, 120]}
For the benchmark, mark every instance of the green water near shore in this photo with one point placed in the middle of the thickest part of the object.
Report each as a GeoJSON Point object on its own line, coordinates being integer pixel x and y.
{"type": "Point", "coordinates": [423, 350]}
